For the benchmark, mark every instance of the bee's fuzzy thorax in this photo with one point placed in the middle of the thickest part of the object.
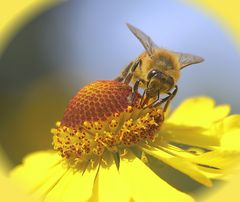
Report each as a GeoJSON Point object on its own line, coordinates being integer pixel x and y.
{"type": "Point", "coordinates": [171, 58]}
{"type": "Point", "coordinates": [163, 60]}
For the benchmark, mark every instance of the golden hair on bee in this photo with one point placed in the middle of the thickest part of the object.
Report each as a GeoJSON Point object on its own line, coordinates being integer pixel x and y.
{"type": "Point", "coordinates": [161, 59]}
{"type": "Point", "coordinates": [156, 70]}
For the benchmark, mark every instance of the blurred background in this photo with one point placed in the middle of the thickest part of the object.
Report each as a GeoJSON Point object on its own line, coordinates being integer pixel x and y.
{"type": "Point", "coordinates": [77, 42]}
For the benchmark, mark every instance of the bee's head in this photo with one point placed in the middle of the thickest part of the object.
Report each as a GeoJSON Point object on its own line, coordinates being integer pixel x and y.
{"type": "Point", "coordinates": [158, 82]}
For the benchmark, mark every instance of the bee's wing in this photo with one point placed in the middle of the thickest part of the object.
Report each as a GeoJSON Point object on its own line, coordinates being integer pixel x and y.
{"type": "Point", "coordinates": [145, 40]}
{"type": "Point", "coordinates": [186, 59]}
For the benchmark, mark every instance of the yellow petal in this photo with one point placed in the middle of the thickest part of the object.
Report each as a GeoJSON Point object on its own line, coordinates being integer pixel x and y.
{"type": "Point", "coordinates": [231, 140]}
{"type": "Point", "coordinates": [231, 130]}
{"type": "Point", "coordinates": [189, 135]}
{"type": "Point", "coordinates": [57, 190]}
{"type": "Point", "coordinates": [37, 168]}
{"type": "Point", "coordinates": [212, 175]}
{"type": "Point", "coordinates": [180, 164]}
{"type": "Point", "coordinates": [228, 192]}
{"type": "Point", "coordinates": [231, 123]}
{"type": "Point", "coordinates": [109, 186]}
{"type": "Point", "coordinates": [193, 158]}
{"type": "Point", "coordinates": [42, 159]}
{"type": "Point", "coordinates": [12, 192]}
{"type": "Point", "coordinates": [214, 165]}
{"type": "Point", "coordinates": [74, 186]}
{"type": "Point", "coordinates": [146, 185]}
{"type": "Point", "coordinates": [217, 159]}
{"type": "Point", "coordinates": [39, 173]}
{"type": "Point", "coordinates": [45, 177]}
{"type": "Point", "coordinates": [199, 112]}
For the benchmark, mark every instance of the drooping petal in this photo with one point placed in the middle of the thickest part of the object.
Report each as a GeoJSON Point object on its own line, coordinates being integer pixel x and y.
{"type": "Point", "coordinates": [146, 185]}
{"type": "Point", "coordinates": [198, 112]}
{"type": "Point", "coordinates": [189, 135]}
{"type": "Point", "coordinates": [218, 160]}
{"type": "Point", "coordinates": [213, 164]}
{"type": "Point", "coordinates": [207, 170]}
{"type": "Point", "coordinates": [180, 164]}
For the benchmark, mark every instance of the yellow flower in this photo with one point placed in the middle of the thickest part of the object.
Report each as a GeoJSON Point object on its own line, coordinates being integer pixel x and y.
{"type": "Point", "coordinates": [113, 149]}
{"type": "Point", "coordinates": [7, 187]}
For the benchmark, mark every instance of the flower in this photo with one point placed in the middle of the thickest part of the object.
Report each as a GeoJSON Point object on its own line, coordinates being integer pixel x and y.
{"type": "Point", "coordinates": [113, 149]}
{"type": "Point", "coordinates": [7, 187]}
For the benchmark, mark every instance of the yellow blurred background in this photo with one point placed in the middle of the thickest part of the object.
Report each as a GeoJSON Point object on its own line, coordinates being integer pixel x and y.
{"type": "Point", "coordinates": [224, 11]}
{"type": "Point", "coordinates": [31, 108]}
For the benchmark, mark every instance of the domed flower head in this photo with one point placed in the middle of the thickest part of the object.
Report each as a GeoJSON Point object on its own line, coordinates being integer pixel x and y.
{"type": "Point", "coordinates": [110, 148]}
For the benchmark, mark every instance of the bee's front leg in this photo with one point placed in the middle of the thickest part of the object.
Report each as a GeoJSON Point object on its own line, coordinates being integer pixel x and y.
{"type": "Point", "coordinates": [147, 98]}
{"type": "Point", "coordinates": [167, 99]}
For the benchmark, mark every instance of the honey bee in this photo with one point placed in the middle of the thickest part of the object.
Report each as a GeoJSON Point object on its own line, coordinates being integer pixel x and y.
{"type": "Point", "coordinates": [156, 70]}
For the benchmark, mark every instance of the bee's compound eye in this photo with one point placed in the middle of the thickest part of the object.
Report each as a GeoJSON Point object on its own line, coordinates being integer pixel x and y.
{"type": "Point", "coordinates": [152, 73]}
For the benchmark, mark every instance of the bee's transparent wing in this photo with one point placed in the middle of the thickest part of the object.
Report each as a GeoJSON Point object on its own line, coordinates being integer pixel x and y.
{"type": "Point", "coordinates": [145, 40]}
{"type": "Point", "coordinates": [186, 59]}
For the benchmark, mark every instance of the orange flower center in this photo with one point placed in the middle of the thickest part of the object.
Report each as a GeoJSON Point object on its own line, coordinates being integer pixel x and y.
{"type": "Point", "coordinates": [101, 117]}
